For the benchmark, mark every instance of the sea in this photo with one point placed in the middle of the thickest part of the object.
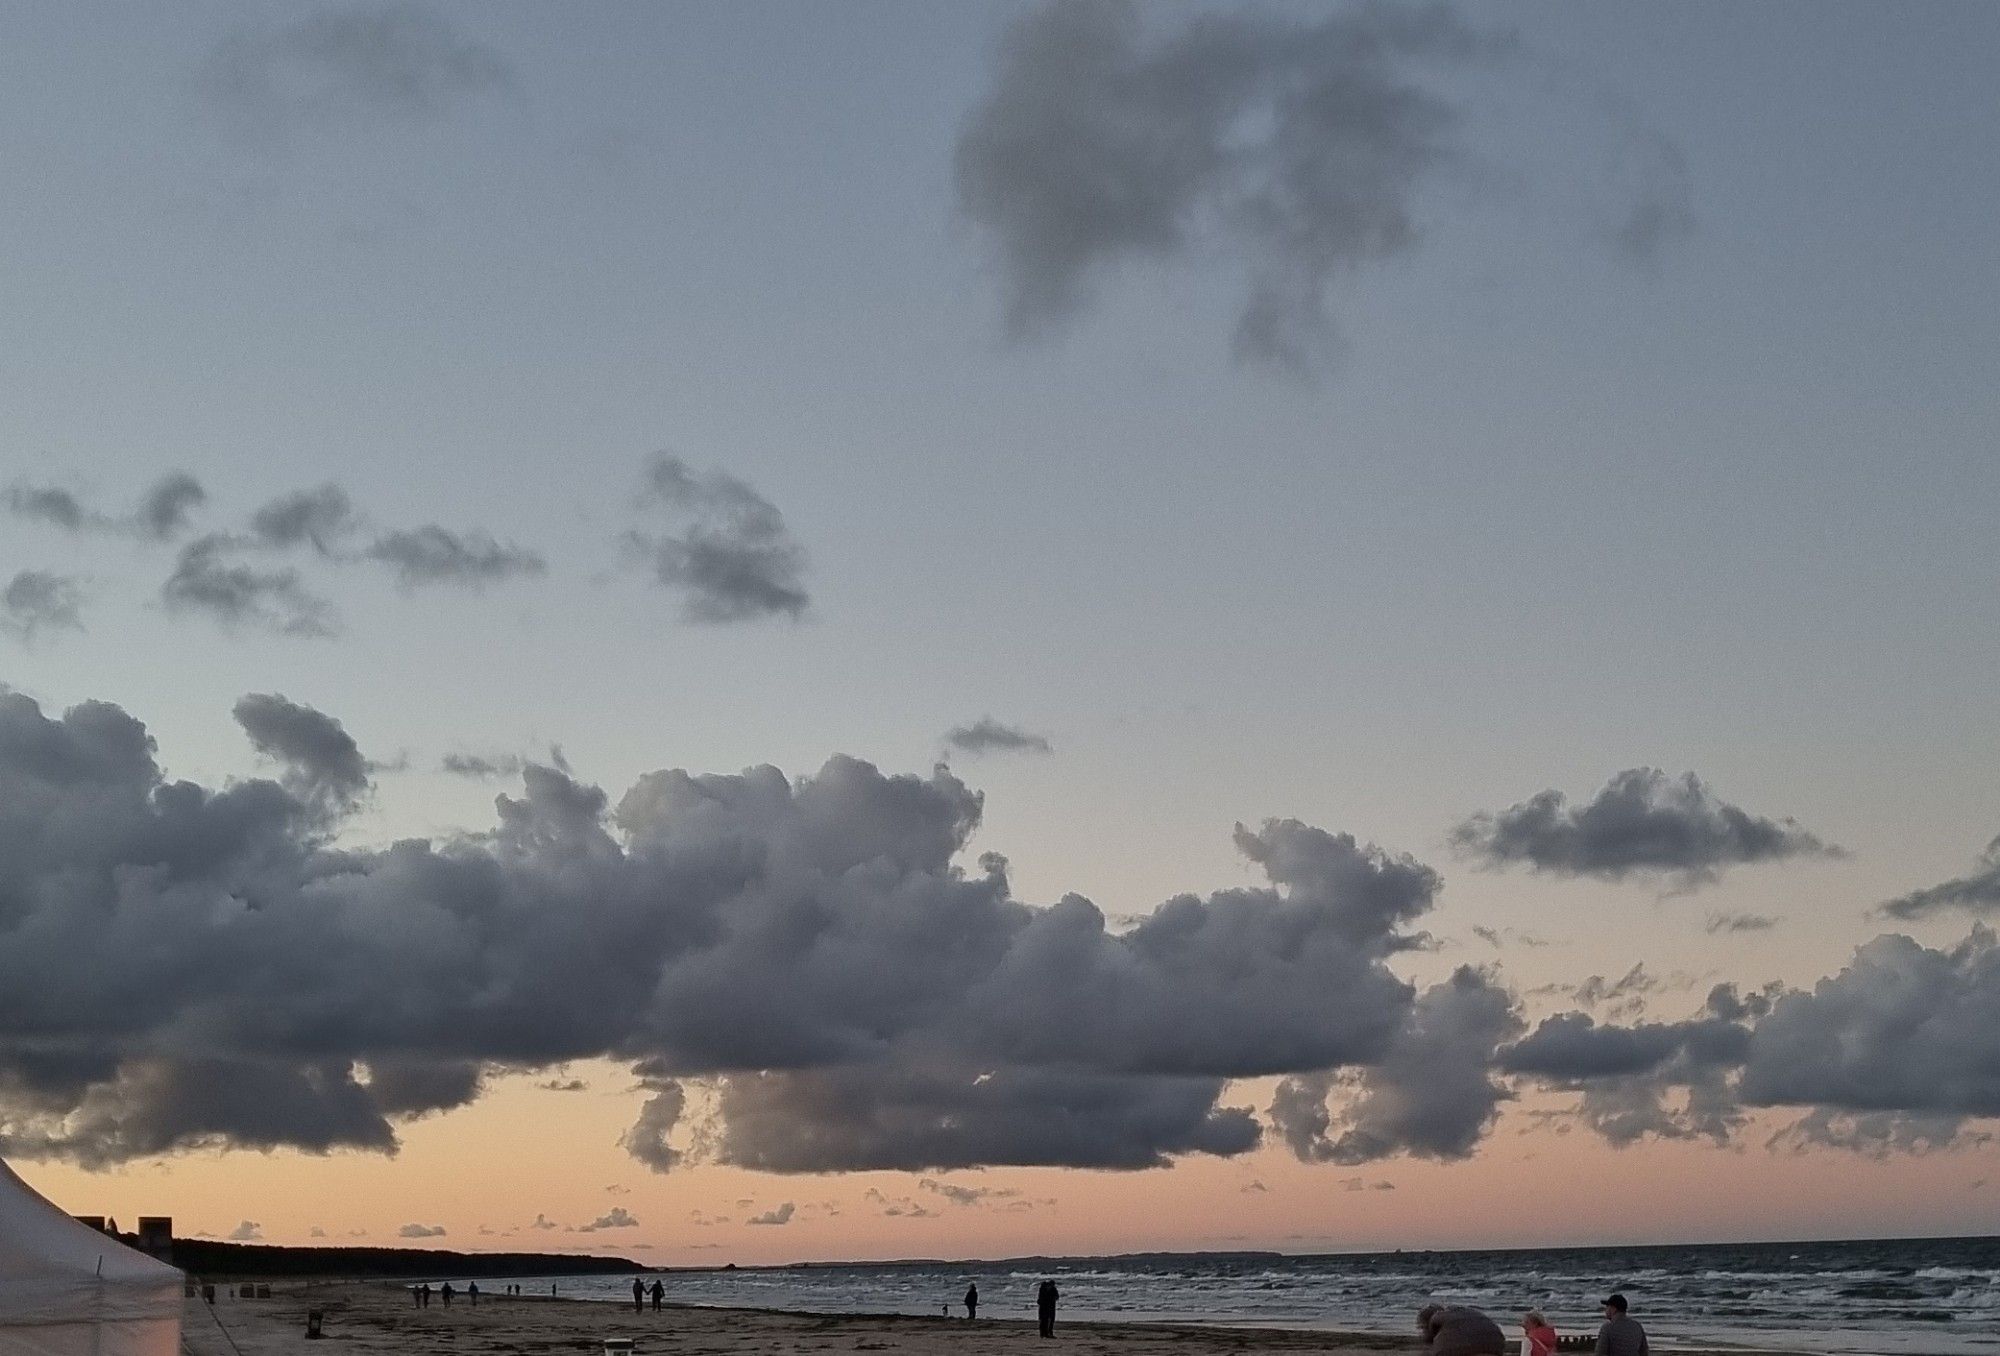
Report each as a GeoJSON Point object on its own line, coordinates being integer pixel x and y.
{"type": "Point", "coordinates": [1847, 1299]}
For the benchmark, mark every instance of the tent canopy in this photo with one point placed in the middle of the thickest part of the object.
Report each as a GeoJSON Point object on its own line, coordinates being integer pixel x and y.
{"type": "Point", "coordinates": [68, 1290]}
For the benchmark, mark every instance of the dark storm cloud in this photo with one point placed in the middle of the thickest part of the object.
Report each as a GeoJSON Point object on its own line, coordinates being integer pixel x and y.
{"type": "Point", "coordinates": [988, 735]}
{"type": "Point", "coordinates": [322, 517]}
{"type": "Point", "coordinates": [184, 966]}
{"type": "Point", "coordinates": [434, 555]}
{"type": "Point", "coordinates": [1432, 1095]}
{"type": "Point", "coordinates": [1642, 823]}
{"type": "Point", "coordinates": [37, 601]}
{"type": "Point", "coordinates": [1298, 151]}
{"type": "Point", "coordinates": [323, 764]}
{"type": "Point", "coordinates": [398, 61]}
{"type": "Point", "coordinates": [1978, 892]}
{"type": "Point", "coordinates": [731, 557]}
{"type": "Point", "coordinates": [164, 511]}
{"type": "Point", "coordinates": [206, 579]}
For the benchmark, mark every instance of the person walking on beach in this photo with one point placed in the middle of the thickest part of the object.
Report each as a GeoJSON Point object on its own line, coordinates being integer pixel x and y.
{"type": "Point", "coordinates": [416, 1297]}
{"type": "Point", "coordinates": [638, 1296]}
{"type": "Point", "coordinates": [1045, 1307]}
{"type": "Point", "coordinates": [447, 1292]}
{"type": "Point", "coordinates": [1459, 1330]}
{"type": "Point", "coordinates": [1537, 1337]}
{"type": "Point", "coordinates": [425, 1291]}
{"type": "Point", "coordinates": [472, 1294]}
{"type": "Point", "coordinates": [972, 1301]}
{"type": "Point", "coordinates": [1621, 1334]}
{"type": "Point", "coordinates": [659, 1294]}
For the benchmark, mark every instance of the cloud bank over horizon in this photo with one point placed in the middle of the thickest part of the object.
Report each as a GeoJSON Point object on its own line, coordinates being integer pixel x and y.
{"type": "Point", "coordinates": [190, 968]}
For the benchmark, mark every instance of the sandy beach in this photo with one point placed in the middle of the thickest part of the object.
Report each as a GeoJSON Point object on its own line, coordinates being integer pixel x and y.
{"type": "Point", "coordinates": [367, 1318]}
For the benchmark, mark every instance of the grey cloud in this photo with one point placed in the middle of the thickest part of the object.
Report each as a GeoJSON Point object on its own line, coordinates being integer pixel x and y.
{"type": "Point", "coordinates": [542, 1223]}
{"type": "Point", "coordinates": [1295, 149]}
{"type": "Point", "coordinates": [1642, 823]}
{"type": "Point", "coordinates": [323, 764]}
{"type": "Point", "coordinates": [168, 507]}
{"type": "Point", "coordinates": [618, 1217]}
{"type": "Point", "coordinates": [1432, 1095]}
{"type": "Point", "coordinates": [249, 1231]}
{"type": "Point", "coordinates": [1978, 892]}
{"type": "Point", "coordinates": [400, 61]}
{"type": "Point", "coordinates": [48, 504]}
{"type": "Point", "coordinates": [421, 1231]}
{"type": "Point", "coordinates": [1893, 1053]}
{"type": "Point", "coordinates": [781, 1214]}
{"type": "Point", "coordinates": [964, 1195]}
{"type": "Point", "coordinates": [1739, 922]}
{"type": "Point", "coordinates": [733, 558]}
{"type": "Point", "coordinates": [236, 595]}
{"type": "Point", "coordinates": [1875, 1134]}
{"type": "Point", "coordinates": [988, 735]}
{"type": "Point", "coordinates": [898, 1207]}
{"type": "Point", "coordinates": [482, 767]}
{"type": "Point", "coordinates": [646, 1141]}
{"type": "Point", "coordinates": [185, 967]}
{"type": "Point", "coordinates": [565, 1085]}
{"type": "Point", "coordinates": [322, 517]}
{"type": "Point", "coordinates": [164, 511]}
{"type": "Point", "coordinates": [436, 555]}
{"type": "Point", "coordinates": [37, 601]}
{"type": "Point", "coordinates": [1298, 152]}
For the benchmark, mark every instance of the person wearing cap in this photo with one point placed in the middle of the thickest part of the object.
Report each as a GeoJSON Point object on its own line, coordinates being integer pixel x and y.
{"type": "Point", "coordinates": [1621, 1334]}
{"type": "Point", "coordinates": [1459, 1330]}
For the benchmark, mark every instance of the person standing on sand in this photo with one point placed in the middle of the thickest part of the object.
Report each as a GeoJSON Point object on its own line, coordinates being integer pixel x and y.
{"type": "Point", "coordinates": [1537, 1337]}
{"type": "Point", "coordinates": [1459, 1330]}
{"type": "Point", "coordinates": [972, 1301]}
{"type": "Point", "coordinates": [1621, 1334]}
{"type": "Point", "coordinates": [447, 1292]}
{"type": "Point", "coordinates": [472, 1294]}
{"type": "Point", "coordinates": [659, 1294]}
{"type": "Point", "coordinates": [1045, 1307]}
{"type": "Point", "coordinates": [638, 1296]}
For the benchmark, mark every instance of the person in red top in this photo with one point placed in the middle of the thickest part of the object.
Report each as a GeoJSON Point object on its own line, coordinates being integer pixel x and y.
{"type": "Point", "coordinates": [1537, 1337]}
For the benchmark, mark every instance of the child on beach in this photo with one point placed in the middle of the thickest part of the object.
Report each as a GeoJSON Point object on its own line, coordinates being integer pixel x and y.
{"type": "Point", "coordinates": [1537, 1337]}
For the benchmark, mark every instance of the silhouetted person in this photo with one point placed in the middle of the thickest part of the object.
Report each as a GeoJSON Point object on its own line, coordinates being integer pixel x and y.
{"type": "Point", "coordinates": [416, 1297]}
{"type": "Point", "coordinates": [1046, 1296]}
{"type": "Point", "coordinates": [972, 1301]}
{"type": "Point", "coordinates": [447, 1292]}
{"type": "Point", "coordinates": [426, 1292]}
{"type": "Point", "coordinates": [1621, 1334]}
{"type": "Point", "coordinates": [659, 1294]}
{"type": "Point", "coordinates": [1459, 1330]}
{"type": "Point", "coordinates": [638, 1296]}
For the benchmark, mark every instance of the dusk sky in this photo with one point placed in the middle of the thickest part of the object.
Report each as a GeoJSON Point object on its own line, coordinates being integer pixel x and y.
{"type": "Point", "coordinates": [802, 631]}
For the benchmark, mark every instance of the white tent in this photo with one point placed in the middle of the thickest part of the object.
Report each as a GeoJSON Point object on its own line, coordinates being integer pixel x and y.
{"type": "Point", "coordinates": [68, 1290]}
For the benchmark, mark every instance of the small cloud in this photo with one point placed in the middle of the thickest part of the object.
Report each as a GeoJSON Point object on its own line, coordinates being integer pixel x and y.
{"type": "Point", "coordinates": [482, 767]}
{"type": "Point", "coordinates": [1739, 922]}
{"type": "Point", "coordinates": [618, 1218]}
{"type": "Point", "coordinates": [733, 560]}
{"type": "Point", "coordinates": [777, 1215]}
{"type": "Point", "coordinates": [437, 555]}
{"type": "Point", "coordinates": [564, 1085]}
{"type": "Point", "coordinates": [1363, 1184]}
{"type": "Point", "coordinates": [249, 1231]}
{"type": "Point", "coordinates": [542, 1222]}
{"type": "Point", "coordinates": [1253, 1187]}
{"type": "Point", "coordinates": [36, 602]}
{"type": "Point", "coordinates": [987, 735]}
{"type": "Point", "coordinates": [237, 595]}
{"type": "Point", "coordinates": [316, 1232]}
{"type": "Point", "coordinates": [421, 1231]}
{"type": "Point", "coordinates": [964, 1195]}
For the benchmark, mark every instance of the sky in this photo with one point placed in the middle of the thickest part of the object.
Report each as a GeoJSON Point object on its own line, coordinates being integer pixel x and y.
{"type": "Point", "coordinates": [815, 631]}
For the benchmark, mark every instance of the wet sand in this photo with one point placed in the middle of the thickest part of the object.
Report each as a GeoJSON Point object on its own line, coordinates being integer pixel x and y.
{"type": "Point", "coordinates": [372, 1319]}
